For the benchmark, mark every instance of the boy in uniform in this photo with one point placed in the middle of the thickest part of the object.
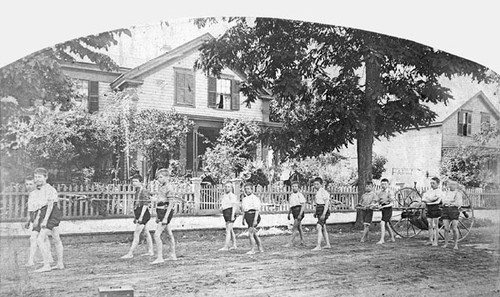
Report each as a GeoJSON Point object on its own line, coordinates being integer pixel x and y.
{"type": "Point", "coordinates": [432, 199]}
{"type": "Point", "coordinates": [229, 205]}
{"type": "Point", "coordinates": [164, 214]}
{"type": "Point", "coordinates": [33, 208]}
{"type": "Point", "coordinates": [251, 207]}
{"type": "Point", "coordinates": [368, 203]}
{"type": "Point", "coordinates": [297, 207]}
{"type": "Point", "coordinates": [386, 202]}
{"type": "Point", "coordinates": [322, 200]}
{"type": "Point", "coordinates": [49, 219]}
{"type": "Point", "coordinates": [141, 217]}
{"type": "Point", "coordinates": [452, 201]}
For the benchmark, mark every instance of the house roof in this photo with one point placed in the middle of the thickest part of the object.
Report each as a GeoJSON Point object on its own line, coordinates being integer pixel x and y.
{"type": "Point", "coordinates": [134, 76]}
{"type": "Point", "coordinates": [463, 90]}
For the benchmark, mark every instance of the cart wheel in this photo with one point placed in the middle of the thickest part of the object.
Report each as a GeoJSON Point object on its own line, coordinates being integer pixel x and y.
{"type": "Point", "coordinates": [405, 223]}
{"type": "Point", "coordinates": [465, 220]}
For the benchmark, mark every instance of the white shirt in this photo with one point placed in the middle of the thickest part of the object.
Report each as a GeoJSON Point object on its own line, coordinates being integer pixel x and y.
{"type": "Point", "coordinates": [45, 195]}
{"type": "Point", "coordinates": [452, 198]}
{"type": "Point", "coordinates": [297, 199]}
{"type": "Point", "coordinates": [250, 202]}
{"type": "Point", "coordinates": [433, 196]}
{"type": "Point", "coordinates": [322, 196]}
{"type": "Point", "coordinates": [32, 203]}
{"type": "Point", "coordinates": [165, 192]}
{"type": "Point", "coordinates": [385, 198]}
{"type": "Point", "coordinates": [229, 200]}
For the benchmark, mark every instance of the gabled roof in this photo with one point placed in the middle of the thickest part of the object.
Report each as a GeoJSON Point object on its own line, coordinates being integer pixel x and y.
{"type": "Point", "coordinates": [134, 76]}
{"type": "Point", "coordinates": [464, 90]}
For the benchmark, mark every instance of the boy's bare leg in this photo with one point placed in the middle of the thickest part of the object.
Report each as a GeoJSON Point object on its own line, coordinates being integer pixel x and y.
{"type": "Point", "coordinates": [32, 250]}
{"type": "Point", "coordinates": [159, 243]}
{"type": "Point", "coordinates": [435, 230]}
{"type": "Point", "coordinates": [454, 227]}
{"type": "Point", "coordinates": [446, 232]}
{"type": "Point", "coordinates": [135, 241]}
{"type": "Point", "coordinates": [365, 232]}
{"type": "Point", "coordinates": [430, 223]}
{"type": "Point", "coordinates": [382, 233]}
{"type": "Point", "coordinates": [233, 237]}
{"type": "Point", "coordinates": [390, 231]}
{"type": "Point", "coordinates": [258, 242]}
{"type": "Point", "coordinates": [251, 231]}
{"type": "Point", "coordinates": [320, 237]}
{"type": "Point", "coordinates": [47, 242]}
{"type": "Point", "coordinates": [294, 233]}
{"type": "Point", "coordinates": [171, 238]}
{"type": "Point", "coordinates": [59, 248]}
{"type": "Point", "coordinates": [43, 248]}
{"type": "Point", "coordinates": [301, 234]}
{"type": "Point", "coordinates": [149, 241]}
{"type": "Point", "coordinates": [327, 239]}
{"type": "Point", "coordinates": [228, 238]}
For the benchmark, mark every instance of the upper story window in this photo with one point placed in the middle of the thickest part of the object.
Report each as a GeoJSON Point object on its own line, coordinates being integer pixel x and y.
{"type": "Point", "coordinates": [485, 120]}
{"type": "Point", "coordinates": [223, 93]}
{"type": "Point", "coordinates": [88, 91]}
{"type": "Point", "coordinates": [184, 87]}
{"type": "Point", "coordinates": [464, 123]}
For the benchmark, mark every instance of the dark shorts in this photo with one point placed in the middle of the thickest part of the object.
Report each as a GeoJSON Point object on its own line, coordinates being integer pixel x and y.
{"type": "Point", "coordinates": [386, 214]}
{"type": "Point", "coordinates": [450, 213]}
{"type": "Point", "coordinates": [160, 212]}
{"type": "Point", "coordinates": [249, 217]}
{"type": "Point", "coordinates": [433, 211]}
{"type": "Point", "coordinates": [367, 216]}
{"type": "Point", "coordinates": [296, 212]}
{"type": "Point", "coordinates": [54, 219]}
{"type": "Point", "coordinates": [319, 212]}
{"type": "Point", "coordinates": [227, 213]}
{"type": "Point", "coordinates": [145, 218]}
{"type": "Point", "coordinates": [33, 216]}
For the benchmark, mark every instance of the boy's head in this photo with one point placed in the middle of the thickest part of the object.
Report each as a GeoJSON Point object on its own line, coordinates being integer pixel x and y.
{"type": "Point", "coordinates": [248, 188]}
{"type": "Point", "coordinates": [435, 182]}
{"type": "Point", "coordinates": [162, 175]}
{"type": "Point", "coordinates": [40, 176]}
{"type": "Point", "coordinates": [136, 180]}
{"type": "Point", "coordinates": [228, 187]}
{"type": "Point", "coordinates": [29, 183]}
{"type": "Point", "coordinates": [368, 186]}
{"type": "Point", "coordinates": [384, 183]}
{"type": "Point", "coordinates": [452, 184]}
{"type": "Point", "coordinates": [295, 186]}
{"type": "Point", "coordinates": [318, 183]}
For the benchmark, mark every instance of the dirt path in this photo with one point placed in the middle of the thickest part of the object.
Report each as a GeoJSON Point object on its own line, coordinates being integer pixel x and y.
{"type": "Point", "coordinates": [404, 268]}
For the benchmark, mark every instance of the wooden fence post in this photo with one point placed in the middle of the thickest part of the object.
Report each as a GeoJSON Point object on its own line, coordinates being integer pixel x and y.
{"type": "Point", "coordinates": [197, 193]}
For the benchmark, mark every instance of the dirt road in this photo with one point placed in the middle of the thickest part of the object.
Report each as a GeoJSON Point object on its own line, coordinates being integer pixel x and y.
{"type": "Point", "coordinates": [404, 268]}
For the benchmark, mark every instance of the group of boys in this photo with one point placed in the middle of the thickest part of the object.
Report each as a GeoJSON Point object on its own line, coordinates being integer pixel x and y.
{"type": "Point", "coordinates": [44, 216]}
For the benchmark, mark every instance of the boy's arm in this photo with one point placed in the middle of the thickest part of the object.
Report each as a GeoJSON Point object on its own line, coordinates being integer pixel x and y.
{"type": "Point", "coordinates": [257, 210]}
{"type": "Point", "coordinates": [143, 211]}
{"type": "Point", "coordinates": [327, 206]}
{"type": "Point", "coordinates": [167, 214]}
{"type": "Point", "coordinates": [50, 206]}
{"type": "Point", "coordinates": [37, 219]}
{"type": "Point", "coordinates": [27, 224]}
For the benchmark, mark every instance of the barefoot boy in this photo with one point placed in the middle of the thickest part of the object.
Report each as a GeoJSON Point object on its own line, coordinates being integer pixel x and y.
{"type": "Point", "coordinates": [297, 207]}
{"type": "Point", "coordinates": [164, 214]}
{"type": "Point", "coordinates": [432, 198]}
{"type": "Point", "coordinates": [50, 217]}
{"type": "Point", "coordinates": [368, 203]}
{"type": "Point", "coordinates": [251, 207]}
{"type": "Point", "coordinates": [385, 201]}
{"type": "Point", "coordinates": [141, 217]}
{"type": "Point", "coordinates": [229, 205]}
{"type": "Point", "coordinates": [33, 208]}
{"type": "Point", "coordinates": [452, 201]}
{"type": "Point", "coordinates": [322, 200]}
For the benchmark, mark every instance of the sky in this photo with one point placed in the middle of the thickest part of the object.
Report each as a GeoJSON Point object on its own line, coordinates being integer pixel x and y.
{"type": "Point", "coordinates": [467, 29]}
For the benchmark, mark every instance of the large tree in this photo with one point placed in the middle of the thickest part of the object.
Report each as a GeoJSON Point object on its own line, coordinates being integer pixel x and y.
{"type": "Point", "coordinates": [334, 85]}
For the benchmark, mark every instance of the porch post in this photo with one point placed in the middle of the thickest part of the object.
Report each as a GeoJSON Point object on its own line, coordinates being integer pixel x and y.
{"type": "Point", "coordinates": [197, 193]}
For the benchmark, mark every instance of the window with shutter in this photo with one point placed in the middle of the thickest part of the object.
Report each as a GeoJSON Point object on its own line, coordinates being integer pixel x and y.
{"type": "Point", "coordinates": [464, 127]}
{"type": "Point", "coordinates": [93, 99]}
{"type": "Point", "coordinates": [184, 88]}
{"type": "Point", "coordinates": [485, 120]}
{"type": "Point", "coordinates": [235, 95]}
{"type": "Point", "coordinates": [223, 93]}
{"type": "Point", "coordinates": [212, 92]}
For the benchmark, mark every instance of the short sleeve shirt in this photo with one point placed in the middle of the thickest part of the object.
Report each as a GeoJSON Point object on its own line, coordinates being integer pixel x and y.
{"type": "Point", "coordinates": [44, 195]}
{"type": "Point", "coordinates": [165, 192]}
{"type": "Point", "coordinates": [432, 196]}
{"type": "Point", "coordinates": [453, 198]}
{"type": "Point", "coordinates": [250, 202]}
{"type": "Point", "coordinates": [369, 198]}
{"type": "Point", "coordinates": [141, 197]}
{"type": "Point", "coordinates": [297, 199]}
{"type": "Point", "coordinates": [385, 197]}
{"type": "Point", "coordinates": [322, 196]}
{"type": "Point", "coordinates": [229, 200]}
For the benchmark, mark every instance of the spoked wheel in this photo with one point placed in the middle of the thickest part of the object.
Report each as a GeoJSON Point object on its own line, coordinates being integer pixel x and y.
{"type": "Point", "coordinates": [465, 220]}
{"type": "Point", "coordinates": [407, 220]}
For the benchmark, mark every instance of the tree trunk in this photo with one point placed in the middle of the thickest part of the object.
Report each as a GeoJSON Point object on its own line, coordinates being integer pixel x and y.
{"type": "Point", "coordinates": [365, 135]}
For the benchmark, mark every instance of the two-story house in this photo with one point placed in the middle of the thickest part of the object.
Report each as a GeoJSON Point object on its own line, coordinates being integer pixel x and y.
{"type": "Point", "coordinates": [169, 82]}
{"type": "Point", "coordinates": [416, 155]}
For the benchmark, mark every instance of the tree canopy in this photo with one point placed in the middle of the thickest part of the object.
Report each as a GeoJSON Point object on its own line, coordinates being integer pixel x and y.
{"type": "Point", "coordinates": [334, 85]}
